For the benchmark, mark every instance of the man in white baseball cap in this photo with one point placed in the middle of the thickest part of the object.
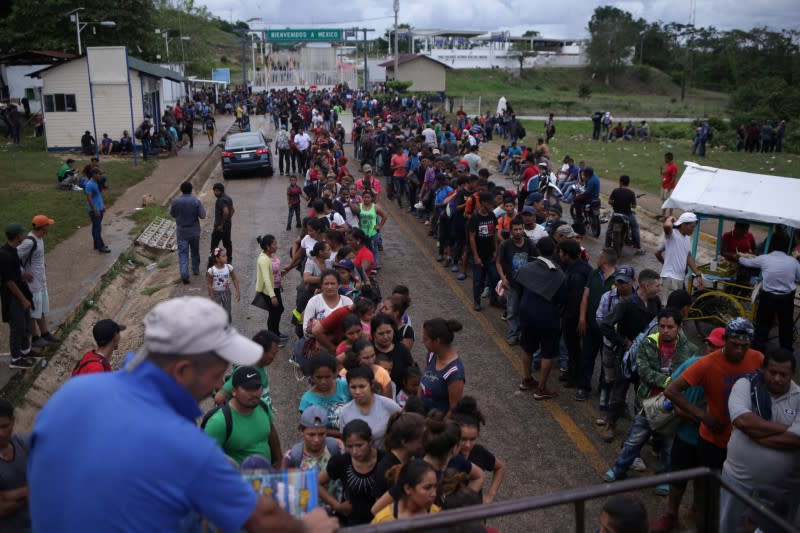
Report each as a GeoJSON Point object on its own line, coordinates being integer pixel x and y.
{"type": "Point", "coordinates": [675, 253]}
{"type": "Point", "coordinates": [122, 450]}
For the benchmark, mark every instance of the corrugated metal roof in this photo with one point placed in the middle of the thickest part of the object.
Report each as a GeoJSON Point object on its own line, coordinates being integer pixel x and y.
{"type": "Point", "coordinates": [154, 70]}
{"type": "Point", "coordinates": [407, 58]}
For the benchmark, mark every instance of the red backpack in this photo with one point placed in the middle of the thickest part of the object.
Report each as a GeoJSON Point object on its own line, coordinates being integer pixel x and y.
{"type": "Point", "coordinates": [88, 358]}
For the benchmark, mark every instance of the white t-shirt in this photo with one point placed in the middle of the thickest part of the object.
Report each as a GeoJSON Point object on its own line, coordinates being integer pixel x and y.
{"type": "Point", "coordinates": [474, 160]}
{"type": "Point", "coordinates": [536, 233]}
{"type": "Point", "coordinates": [317, 308]}
{"type": "Point", "coordinates": [220, 277]}
{"type": "Point", "coordinates": [350, 217]}
{"type": "Point", "coordinates": [677, 247]}
{"type": "Point", "coordinates": [307, 244]}
{"type": "Point", "coordinates": [33, 262]}
{"type": "Point", "coordinates": [302, 141]}
{"type": "Point", "coordinates": [430, 136]}
{"type": "Point", "coordinates": [335, 219]}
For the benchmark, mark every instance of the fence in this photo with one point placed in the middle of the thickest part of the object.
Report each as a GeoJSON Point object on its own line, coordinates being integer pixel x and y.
{"type": "Point", "coordinates": [304, 78]}
{"type": "Point", "coordinates": [707, 486]}
{"type": "Point", "coordinates": [471, 106]}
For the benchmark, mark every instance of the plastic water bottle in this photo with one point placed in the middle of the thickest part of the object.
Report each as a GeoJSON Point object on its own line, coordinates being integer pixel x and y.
{"type": "Point", "coordinates": [667, 405]}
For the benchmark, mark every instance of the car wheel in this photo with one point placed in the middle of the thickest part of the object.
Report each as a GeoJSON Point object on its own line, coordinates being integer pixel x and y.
{"type": "Point", "coordinates": [270, 172]}
{"type": "Point", "coordinates": [226, 175]}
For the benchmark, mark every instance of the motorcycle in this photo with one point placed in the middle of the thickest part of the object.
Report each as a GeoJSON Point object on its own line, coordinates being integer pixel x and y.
{"type": "Point", "coordinates": [589, 215]}
{"type": "Point", "coordinates": [620, 228]}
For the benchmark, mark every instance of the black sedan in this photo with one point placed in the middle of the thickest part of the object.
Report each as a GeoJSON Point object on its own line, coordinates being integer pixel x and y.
{"type": "Point", "coordinates": [244, 152]}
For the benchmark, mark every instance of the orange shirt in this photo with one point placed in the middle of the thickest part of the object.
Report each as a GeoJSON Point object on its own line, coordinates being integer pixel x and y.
{"type": "Point", "coordinates": [717, 375]}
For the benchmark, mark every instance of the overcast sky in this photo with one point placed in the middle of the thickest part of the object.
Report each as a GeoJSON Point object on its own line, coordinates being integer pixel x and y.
{"type": "Point", "coordinates": [559, 19]}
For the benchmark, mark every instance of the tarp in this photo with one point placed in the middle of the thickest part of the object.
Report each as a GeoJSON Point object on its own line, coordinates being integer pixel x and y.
{"type": "Point", "coordinates": [737, 195]}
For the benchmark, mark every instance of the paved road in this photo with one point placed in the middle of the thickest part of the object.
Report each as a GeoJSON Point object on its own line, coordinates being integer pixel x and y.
{"type": "Point", "coordinates": [548, 446]}
{"type": "Point", "coordinates": [634, 119]}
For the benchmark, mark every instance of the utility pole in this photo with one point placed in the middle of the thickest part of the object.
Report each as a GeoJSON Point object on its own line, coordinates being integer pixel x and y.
{"type": "Point", "coordinates": [366, 68]}
{"type": "Point", "coordinates": [396, 50]}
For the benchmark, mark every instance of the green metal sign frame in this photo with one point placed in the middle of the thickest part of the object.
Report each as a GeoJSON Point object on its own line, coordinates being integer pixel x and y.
{"type": "Point", "coordinates": [318, 35]}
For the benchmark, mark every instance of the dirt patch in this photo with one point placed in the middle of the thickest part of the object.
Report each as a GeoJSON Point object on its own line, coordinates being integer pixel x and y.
{"type": "Point", "coordinates": [125, 300]}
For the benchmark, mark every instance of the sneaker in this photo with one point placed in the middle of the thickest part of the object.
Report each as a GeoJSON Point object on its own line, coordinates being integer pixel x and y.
{"type": "Point", "coordinates": [662, 489]}
{"type": "Point", "coordinates": [105, 250]}
{"type": "Point", "coordinates": [76, 188]}
{"type": "Point", "coordinates": [454, 268]}
{"type": "Point", "coordinates": [485, 293]}
{"type": "Point", "coordinates": [563, 375]}
{"type": "Point", "coordinates": [21, 362]}
{"type": "Point", "coordinates": [185, 280]}
{"type": "Point", "coordinates": [512, 341]}
{"type": "Point", "coordinates": [503, 317]}
{"type": "Point", "coordinates": [609, 476]}
{"type": "Point", "coordinates": [440, 259]}
{"type": "Point", "coordinates": [49, 337]}
{"type": "Point", "coordinates": [581, 395]}
{"type": "Point", "coordinates": [39, 342]}
{"type": "Point", "coordinates": [543, 394]}
{"type": "Point", "coordinates": [638, 465]}
{"type": "Point", "coordinates": [461, 277]}
{"type": "Point", "coordinates": [608, 432]}
{"type": "Point", "coordinates": [427, 223]}
{"type": "Point", "coordinates": [477, 307]}
{"type": "Point", "coordinates": [283, 336]}
{"type": "Point", "coordinates": [665, 524]}
{"type": "Point", "coordinates": [528, 384]}
{"type": "Point", "coordinates": [601, 420]}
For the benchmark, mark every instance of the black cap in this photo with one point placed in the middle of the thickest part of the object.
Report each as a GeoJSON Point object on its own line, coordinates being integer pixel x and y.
{"type": "Point", "coordinates": [247, 377]}
{"type": "Point", "coordinates": [105, 330]}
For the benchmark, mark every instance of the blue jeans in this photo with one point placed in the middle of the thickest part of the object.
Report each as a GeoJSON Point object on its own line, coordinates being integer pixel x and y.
{"type": "Point", "coordinates": [513, 296]}
{"type": "Point", "coordinates": [637, 437]}
{"type": "Point", "coordinates": [96, 229]}
{"type": "Point", "coordinates": [184, 247]}
{"type": "Point", "coordinates": [374, 245]}
{"type": "Point", "coordinates": [483, 276]}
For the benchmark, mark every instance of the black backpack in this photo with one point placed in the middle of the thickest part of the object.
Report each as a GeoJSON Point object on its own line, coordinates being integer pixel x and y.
{"type": "Point", "coordinates": [28, 258]}
{"type": "Point", "coordinates": [226, 413]}
{"type": "Point", "coordinates": [521, 133]}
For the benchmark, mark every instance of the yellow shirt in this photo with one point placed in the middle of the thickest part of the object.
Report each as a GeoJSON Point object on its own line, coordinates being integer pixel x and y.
{"type": "Point", "coordinates": [382, 377]}
{"type": "Point", "coordinates": [264, 277]}
{"type": "Point", "coordinates": [387, 514]}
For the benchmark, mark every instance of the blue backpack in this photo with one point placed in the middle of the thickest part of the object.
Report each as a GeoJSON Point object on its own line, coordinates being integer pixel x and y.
{"type": "Point", "coordinates": [629, 369]}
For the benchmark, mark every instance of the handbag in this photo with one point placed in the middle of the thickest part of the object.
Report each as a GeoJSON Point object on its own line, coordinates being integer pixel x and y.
{"type": "Point", "coordinates": [261, 301]}
{"type": "Point", "coordinates": [661, 420]}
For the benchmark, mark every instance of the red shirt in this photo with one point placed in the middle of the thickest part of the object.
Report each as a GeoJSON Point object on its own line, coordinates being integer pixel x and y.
{"type": "Point", "coordinates": [365, 254]}
{"type": "Point", "coordinates": [91, 363]}
{"type": "Point", "coordinates": [732, 244]}
{"type": "Point", "coordinates": [717, 375]}
{"type": "Point", "coordinates": [669, 176]}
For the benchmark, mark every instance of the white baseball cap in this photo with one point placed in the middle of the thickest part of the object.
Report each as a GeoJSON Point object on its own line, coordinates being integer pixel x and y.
{"type": "Point", "coordinates": [191, 325]}
{"type": "Point", "coordinates": [687, 217]}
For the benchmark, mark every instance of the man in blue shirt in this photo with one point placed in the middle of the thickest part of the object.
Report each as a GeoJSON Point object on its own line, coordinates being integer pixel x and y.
{"type": "Point", "coordinates": [187, 211]}
{"type": "Point", "coordinates": [121, 450]}
{"type": "Point", "coordinates": [591, 190]}
{"type": "Point", "coordinates": [96, 207]}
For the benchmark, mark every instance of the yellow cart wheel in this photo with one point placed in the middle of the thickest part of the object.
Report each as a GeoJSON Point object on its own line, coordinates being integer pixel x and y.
{"type": "Point", "coordinates": [712, 309]}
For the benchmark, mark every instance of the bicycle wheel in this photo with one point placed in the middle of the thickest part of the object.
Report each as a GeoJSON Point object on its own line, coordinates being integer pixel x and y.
{"type": "Point", "coordinates": [713, 309]}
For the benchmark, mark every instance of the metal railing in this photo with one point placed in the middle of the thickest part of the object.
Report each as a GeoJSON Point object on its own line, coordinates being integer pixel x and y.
{"type": "Point", "coordinates": [707, 486]}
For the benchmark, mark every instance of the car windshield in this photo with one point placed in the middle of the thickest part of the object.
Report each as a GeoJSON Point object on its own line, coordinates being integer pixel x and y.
{"type": "Point", "coordinates": [244, 140]}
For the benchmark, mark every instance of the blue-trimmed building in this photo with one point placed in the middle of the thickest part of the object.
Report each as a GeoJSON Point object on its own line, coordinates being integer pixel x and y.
{"type": "Point", "coordinates": [103, 91]}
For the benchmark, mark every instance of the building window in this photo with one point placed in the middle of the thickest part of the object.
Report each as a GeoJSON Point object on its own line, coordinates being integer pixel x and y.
{"type": "Point", "coordinates": [30, 93]}
{"type": "Point", "coordinates": [59, 103]}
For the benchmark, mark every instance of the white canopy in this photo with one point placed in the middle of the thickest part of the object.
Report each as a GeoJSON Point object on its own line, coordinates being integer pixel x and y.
{"type": "Point", "coordinates": [737, 195]}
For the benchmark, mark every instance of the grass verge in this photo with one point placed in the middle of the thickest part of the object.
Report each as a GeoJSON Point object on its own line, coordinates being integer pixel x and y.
{"type": "Point", "coordinates": [643, 161]}
{"type": "Point", "coordinates": [20, 382]}
{"type": "Point", "coordinates": [144, 216]}
{"type": "Point", "coordinates": [149, 291]}
{"type": "Point", "coordinates": [28, 181]}
{"type": "Point", "coordinates": [639, 90]}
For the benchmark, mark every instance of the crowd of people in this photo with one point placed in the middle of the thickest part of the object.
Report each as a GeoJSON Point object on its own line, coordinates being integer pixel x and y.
{"type": "Point", "coordinates": [391, 436]}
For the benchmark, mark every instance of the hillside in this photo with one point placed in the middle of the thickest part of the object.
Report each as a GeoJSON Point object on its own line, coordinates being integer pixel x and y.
{"type": "Point", "coordinates": [640, 91]}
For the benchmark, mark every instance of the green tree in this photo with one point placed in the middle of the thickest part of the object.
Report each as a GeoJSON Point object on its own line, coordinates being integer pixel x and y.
{"type": "Point", "coordinates": [613, 35]}
{"type": "Point", "coordinates": [44, 24]}
{"type": "Point", "coordinates": [522, 50]}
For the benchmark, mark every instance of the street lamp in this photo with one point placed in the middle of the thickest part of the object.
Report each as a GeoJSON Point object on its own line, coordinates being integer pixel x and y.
{"type": "Point", "coordinates": [396, 52]}
{"type": "Point", "coordinates": [74, 16]}
{"type": "Point", "coordinates": [167, 39]}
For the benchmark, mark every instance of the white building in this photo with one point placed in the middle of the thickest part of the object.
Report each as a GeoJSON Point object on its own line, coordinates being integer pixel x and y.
{"type": "Point", "coordinates": [103, 91]}
{"type": "Point", "coordinates": [15, 84]}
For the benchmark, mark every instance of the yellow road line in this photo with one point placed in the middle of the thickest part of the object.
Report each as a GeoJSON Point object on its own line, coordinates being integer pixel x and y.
{"type": "Point", "coordinates": [575, 434]}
